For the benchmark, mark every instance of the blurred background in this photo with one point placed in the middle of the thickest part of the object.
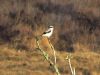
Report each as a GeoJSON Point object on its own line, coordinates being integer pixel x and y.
{"type": "Point", "coordinates": [76, 31]}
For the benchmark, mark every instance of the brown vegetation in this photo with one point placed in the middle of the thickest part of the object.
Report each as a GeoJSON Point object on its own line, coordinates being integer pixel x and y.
{"type": "Point", "coordinates": [77, 27]}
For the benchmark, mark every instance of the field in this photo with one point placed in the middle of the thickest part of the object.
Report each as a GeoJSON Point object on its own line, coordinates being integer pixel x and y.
{"type": "Point", "coordinates": [76, 32]}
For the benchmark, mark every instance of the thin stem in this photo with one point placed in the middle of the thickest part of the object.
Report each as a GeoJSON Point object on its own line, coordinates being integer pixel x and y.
{"type": "Point", "coordinates": [53, 50]}
{"type": "Point", "coordinates": [47, 57]}
{"type": "Point", "coordinates": [70, 66]}
{"type": "Point", "coordinates": [74, 72]}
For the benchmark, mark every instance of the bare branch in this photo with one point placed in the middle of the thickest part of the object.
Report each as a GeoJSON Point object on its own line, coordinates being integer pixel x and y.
{"type": "Point", "coordinates": [70, 65]}
{"type": "Point", "coordinates": [47, 57]}
{"type": "Point", "coordinates": [54, 52]}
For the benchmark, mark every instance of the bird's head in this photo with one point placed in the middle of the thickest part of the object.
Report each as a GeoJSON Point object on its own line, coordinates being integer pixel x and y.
{"type": "Point", "coordinates": [51, 27]}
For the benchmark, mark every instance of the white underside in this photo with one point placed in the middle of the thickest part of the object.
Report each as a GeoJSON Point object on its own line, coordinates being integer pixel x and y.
{"type": "Point", "coordinates": [48, 34]}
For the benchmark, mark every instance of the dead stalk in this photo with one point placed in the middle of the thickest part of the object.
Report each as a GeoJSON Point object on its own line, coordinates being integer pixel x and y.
{"type": "Point", "coordinates": [54, 52]}
{"type": "Point", "coordinates": [46, 56]}
{"type": "Point", "coordinates": [70, 65]}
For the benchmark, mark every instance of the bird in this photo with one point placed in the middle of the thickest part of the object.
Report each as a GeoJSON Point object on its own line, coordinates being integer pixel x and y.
{"type": "Point", "coordinates": [48, 33]}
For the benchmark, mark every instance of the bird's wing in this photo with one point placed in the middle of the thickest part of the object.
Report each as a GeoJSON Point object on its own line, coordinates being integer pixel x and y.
{"type": "Point", "coordinates": [47, 31]}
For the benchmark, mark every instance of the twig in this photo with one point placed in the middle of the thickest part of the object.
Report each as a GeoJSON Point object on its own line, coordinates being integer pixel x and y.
{"type": "Point", "coordinates": [47, 57]}
{"type": "Point", "coordinates": [54, 52]}
{"type": "Point", "coordinates": [70, 65]}
{"type": "Point", "coordinates": [74, 72]}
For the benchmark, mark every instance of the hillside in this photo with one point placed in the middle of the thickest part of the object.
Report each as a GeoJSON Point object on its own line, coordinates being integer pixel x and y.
{"type": "Point", "coordinates": [76, 31]}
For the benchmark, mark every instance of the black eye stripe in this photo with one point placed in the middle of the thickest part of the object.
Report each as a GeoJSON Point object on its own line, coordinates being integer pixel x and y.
{"type": "Point", "coordinates": [50, 27]}
{"type": "Point", "coordinates": [46, 32]}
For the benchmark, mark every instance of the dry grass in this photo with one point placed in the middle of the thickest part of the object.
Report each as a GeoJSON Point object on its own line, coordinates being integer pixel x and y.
{"type": "Point", "coordinates": [77, 28]}
{"type": "Point", "coordinates": [32, 62]}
